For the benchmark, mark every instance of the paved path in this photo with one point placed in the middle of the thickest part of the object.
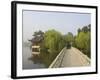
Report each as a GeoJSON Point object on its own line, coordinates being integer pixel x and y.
{"type": "Point", "coordinates": [73, 58]}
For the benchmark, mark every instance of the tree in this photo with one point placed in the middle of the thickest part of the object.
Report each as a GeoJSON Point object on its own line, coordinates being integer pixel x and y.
{"type": "Point", "coordinates": [79, 30]}
{"type": "Point", "coordinates": [51, 46]}
{"type": "Point", "coordinates": [69, 37]}
{"type": "Point", "coordinates": [88, 44]}
{"type": "Point", "coordinates": [85, 29]}
{"type": "Point", "coordinates": [53, 41]}
{"type": "Point", "coordinates": [38, 33]}
{"type": "Point", "coordinates": [82, 42]}
{"type": "Point", "coordinates": [89, 27]}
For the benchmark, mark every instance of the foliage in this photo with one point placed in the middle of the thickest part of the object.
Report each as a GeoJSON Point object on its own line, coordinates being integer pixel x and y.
{"type": "Point", "coordinates": [38, 33]}
{"type": "Point", "coordinates": [69, 37]}
{"type": "Point", "coordinates": [79, 30]}
{"type": "Point", "coordinates": [83, 40]}
{"type": "Point", "coordinates": [52, 45]}
{"type": "Point", "coordinates": [53, 42]}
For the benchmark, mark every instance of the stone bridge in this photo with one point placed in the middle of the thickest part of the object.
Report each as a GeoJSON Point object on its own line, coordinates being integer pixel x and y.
{"type": "Point", "coordinates": [70, 58]}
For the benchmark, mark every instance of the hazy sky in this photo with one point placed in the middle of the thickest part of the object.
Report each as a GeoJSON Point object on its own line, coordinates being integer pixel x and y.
{"type": "Point", "coordinates": [62, 22]}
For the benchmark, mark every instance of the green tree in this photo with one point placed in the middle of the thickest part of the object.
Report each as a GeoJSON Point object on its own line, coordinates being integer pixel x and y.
{"type": "Point", "coordinates": [53, 41]}
{"type": "Point", "coordinates": [69, 37]}
{"type": "Point", "coordinates": [51, 46]}
{"type": "Point", "coordinates": [88, 44]}
{"type": "Point", "coordinates": [82, 42]}
{"type": "Point", "coordinates": [85, 29]}
{"type": "Point", "coordinates": [89, 27]}
{"type": "Point", "coordinates": [79, 30]}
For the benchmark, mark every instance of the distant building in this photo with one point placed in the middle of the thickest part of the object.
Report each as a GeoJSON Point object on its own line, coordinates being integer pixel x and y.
{"type": "Point", "coordinates": [38, 37]}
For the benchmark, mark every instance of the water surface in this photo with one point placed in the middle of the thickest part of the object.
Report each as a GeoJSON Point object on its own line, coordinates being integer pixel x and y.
{"type": "Point", "coordinates": [30, 62]}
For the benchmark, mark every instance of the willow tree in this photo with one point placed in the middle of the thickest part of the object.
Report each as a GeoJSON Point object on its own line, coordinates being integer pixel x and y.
{"type": "Point", "coordinates": [83, 42]}
{"type": "Point", "coordinates": [52, 44]}
{"type": "Point", "coordinates": [53, 41]}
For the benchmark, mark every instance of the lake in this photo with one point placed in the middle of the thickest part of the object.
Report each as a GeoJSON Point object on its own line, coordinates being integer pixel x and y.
{"type": "Point", "coordinates": [30, 62]}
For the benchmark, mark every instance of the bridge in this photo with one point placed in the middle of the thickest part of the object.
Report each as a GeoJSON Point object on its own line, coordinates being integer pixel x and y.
{"type": "Point", "coordinates": [70, 58]}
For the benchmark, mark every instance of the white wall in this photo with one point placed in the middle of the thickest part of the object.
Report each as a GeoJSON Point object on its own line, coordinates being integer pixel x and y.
{"type": "Point", "coordinates": [5, 40]}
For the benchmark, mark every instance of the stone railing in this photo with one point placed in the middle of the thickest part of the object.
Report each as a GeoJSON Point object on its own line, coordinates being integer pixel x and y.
{"type": "Point", "coordinates": [58, 60]}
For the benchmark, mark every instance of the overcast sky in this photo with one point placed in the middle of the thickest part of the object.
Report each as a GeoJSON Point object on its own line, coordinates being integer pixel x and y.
{"type": "Point", "coordinates": [62, 22]}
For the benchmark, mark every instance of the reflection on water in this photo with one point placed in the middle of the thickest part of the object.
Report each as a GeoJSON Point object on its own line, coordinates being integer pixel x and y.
{"type": "Point", "coordinates": [35, 59]}
{"type": "Point", "coordinates": [29, 61]}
